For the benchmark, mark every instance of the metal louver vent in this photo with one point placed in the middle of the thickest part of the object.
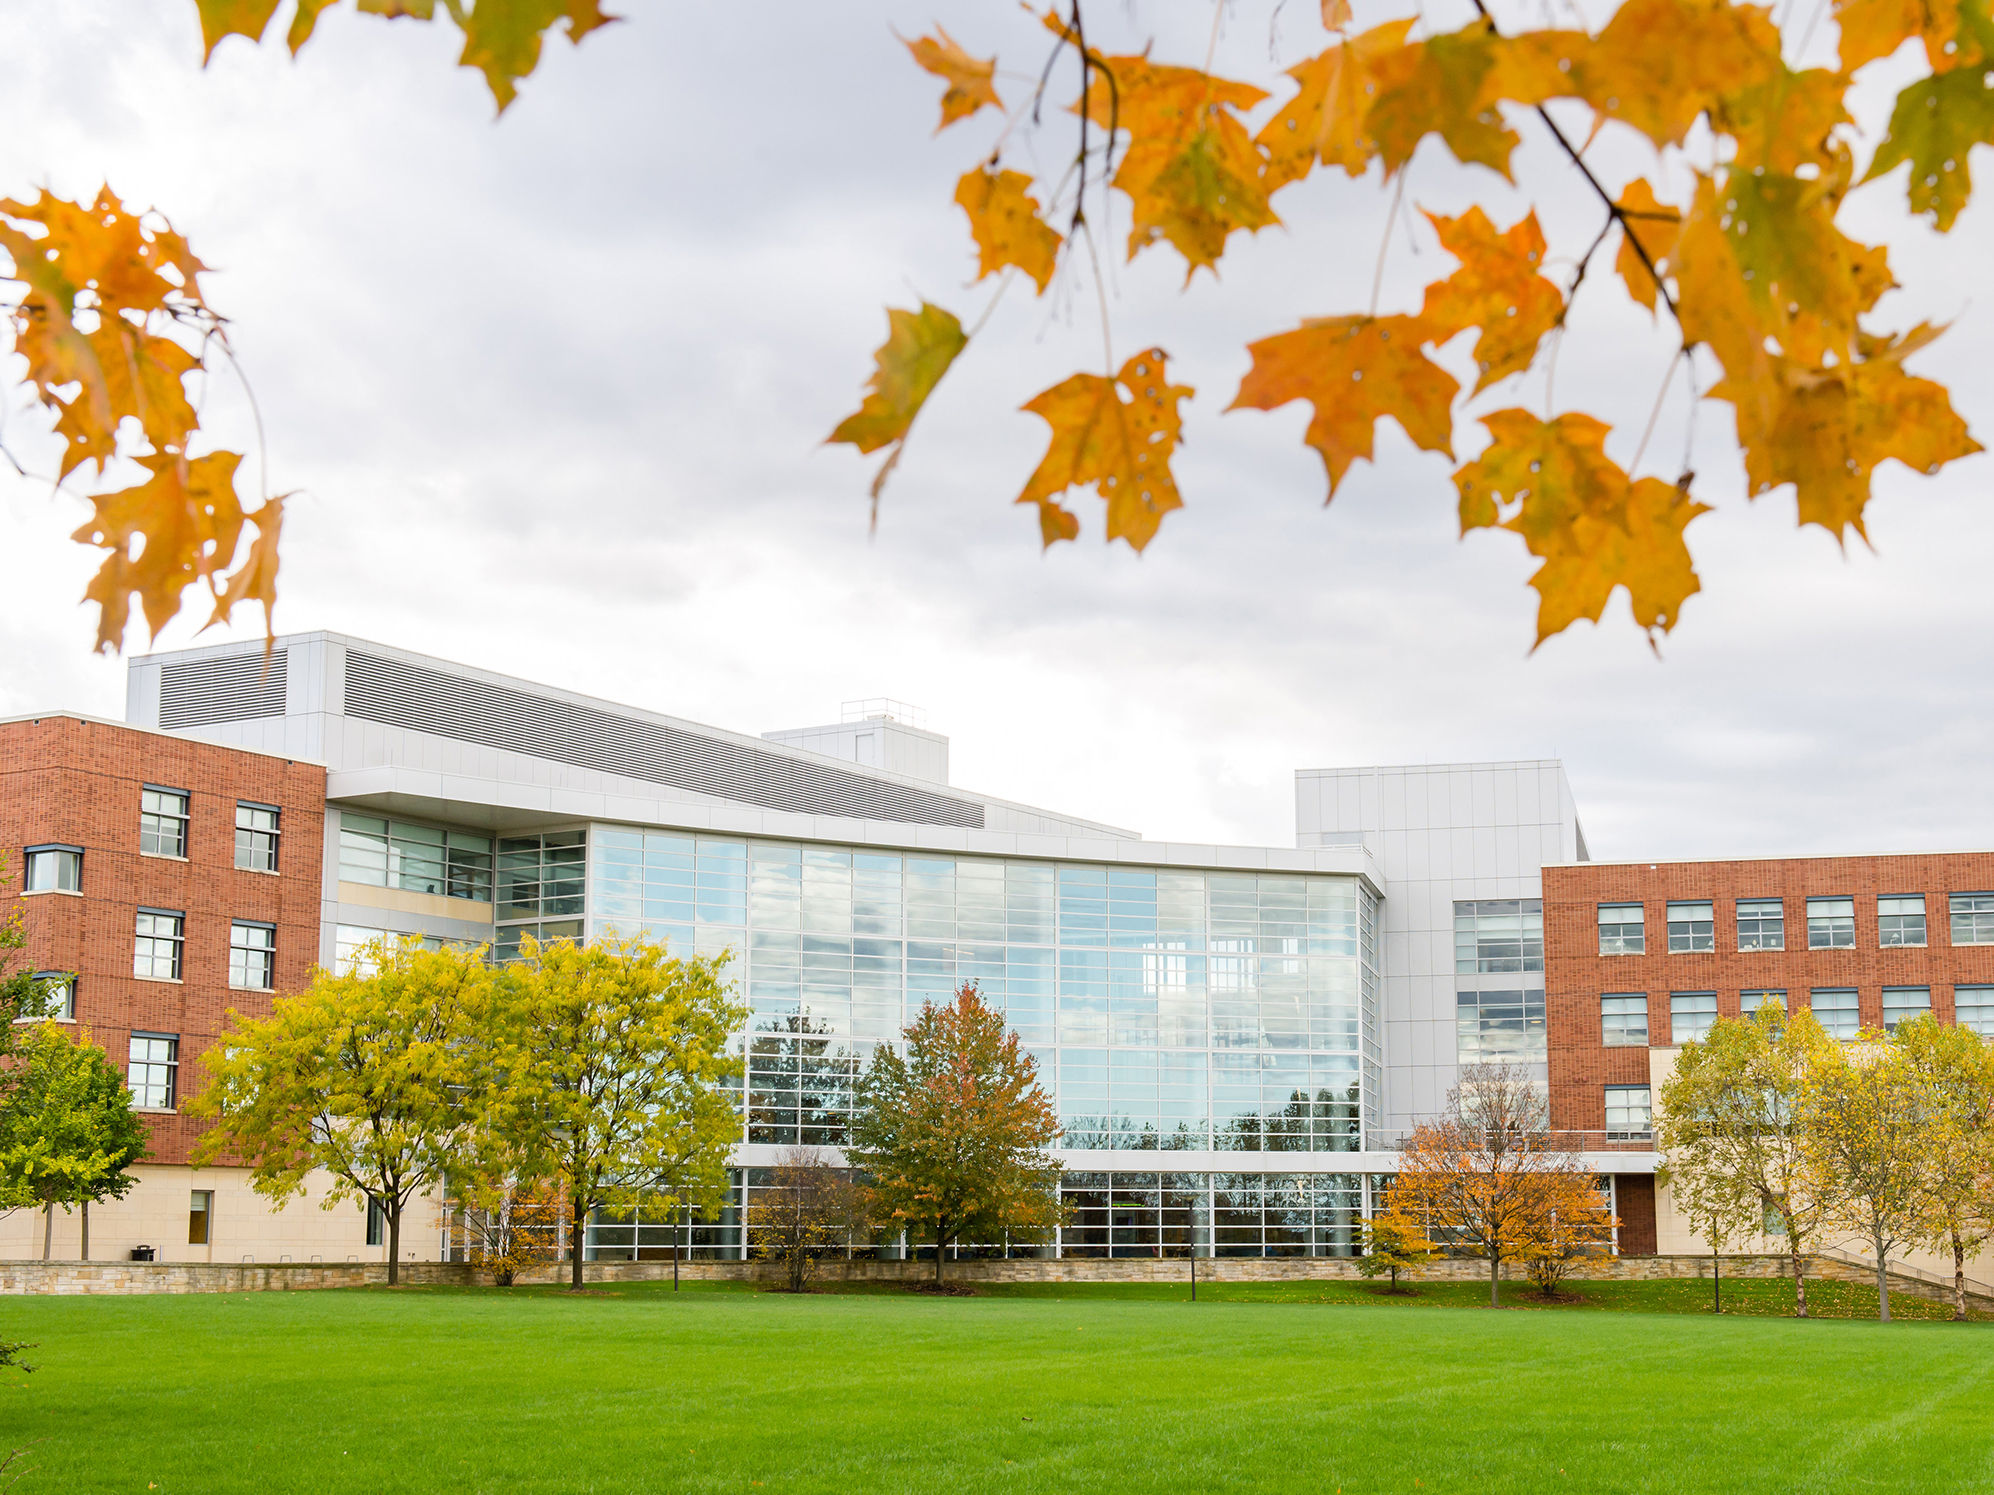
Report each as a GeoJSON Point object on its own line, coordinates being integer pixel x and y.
{"type": "Point", "coordinates": [232, 688]}
{"type": "Point", "coordinates": [404, 695]}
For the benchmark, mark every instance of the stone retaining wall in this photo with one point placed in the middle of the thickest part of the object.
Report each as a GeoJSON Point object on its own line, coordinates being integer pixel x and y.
{"type": "Point", "coordinates": [64, 1278]}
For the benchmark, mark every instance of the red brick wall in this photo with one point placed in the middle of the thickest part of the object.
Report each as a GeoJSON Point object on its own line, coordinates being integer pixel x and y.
{"type": "Point", "coordinates": [1576, 974]}
{"type": "Point", "coordinates": [78, 782]}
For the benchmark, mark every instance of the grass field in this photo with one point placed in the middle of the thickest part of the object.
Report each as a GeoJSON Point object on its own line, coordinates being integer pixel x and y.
{"type": "Point", "coordinates": [1304, 1386]}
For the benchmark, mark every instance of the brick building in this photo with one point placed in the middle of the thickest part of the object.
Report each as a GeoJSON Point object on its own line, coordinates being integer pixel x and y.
{"type": "Point", "coordinates": [1640, 956]}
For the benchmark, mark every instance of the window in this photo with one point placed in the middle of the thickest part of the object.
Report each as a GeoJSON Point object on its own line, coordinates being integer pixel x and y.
{"type": "Point", "coordinates": [1750, 1002]}
{"type": "Point", "coordinates": [1629, 1114]}
{"type": "Point", "coordinates": [1831, 923]}
{"type": "Point", "coordinates": [1692, 927]}
{"type": "Point", "coordinates": [54, 869]}
{"type": "Point", "coordinates": [58, 997]}
{"type": "Point", "coordinates": [1623, 1020]}
{"type": "Point", "coordinates": [1620, 929]}
{"type": "Point", "coordinates": [252, 955]}
{"type": "Point", "coordinates": [506, 945]}
{"type": "Point", "coordinates": [1901, 921]}
{"type": "Point", "coordinates": [541, 876]}
{"type": "Point", "coordinates": [1498, 935]}
{"type": "Point", "coordinates": [162, 822]}
{"type": "Point", "coordinates": [415, 858]}
{"type": "Point", "coordinates": [155, 1070]}
{"type": "Point", "coordinates": [1761, 924]}
{"type": "Point", "coordinates": [1902, 1003]}
{"type": "Point", "coordinates": [200, 1210]}
{"type": "Point", "coordinates": [255, 837]}
{"type": "Point", "coordinates": [160, 937]}
{"type": "Point", "coordinates": [377, 1224]}
{"type": "Point", "coordinates": [1690, 1014]}
{"type": "Point", "coordinates": [1973, 918]}
{"type": "Point", "coordinates": [1500, 1027]}
{"type": "Point", "coordinates": [1836, 1009]}
{"type": "Point", "coordinates": [1973, 1007]}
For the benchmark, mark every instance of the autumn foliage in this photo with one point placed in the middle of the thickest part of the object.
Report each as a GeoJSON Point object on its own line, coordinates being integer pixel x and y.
{"type": "Point", "coordinates": [1768, 297]}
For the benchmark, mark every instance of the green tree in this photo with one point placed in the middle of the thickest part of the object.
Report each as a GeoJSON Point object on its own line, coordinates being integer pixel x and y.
{"type": "Point", "coordinates": [1957, 1069]}
{"type": "Point", "coordinates": [953, 1135]}
{"type": "Point", "coordinates": [1731, 1130]}
{"type": "Point", "coordinates": [607, 1072]}
{"type": "Point", "coordinates": [1394, 1243]}
{"type": "Point", "coordinates": [68, 1131]}
{"type": "Point", "coordinates": [369, 1076]}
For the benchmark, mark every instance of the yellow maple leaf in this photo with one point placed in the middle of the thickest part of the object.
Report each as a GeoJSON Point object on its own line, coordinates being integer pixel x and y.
{"type": "Point", "coordinates": [1954, 34]}
{"type": "Point", "coordinates": [1192, 174]}
{"type": "Point", "coordinates": [1121, 446]}
{"type": "Point", "coordinates": [970, 82]}
{"type": "Point", "coordinates": [1449, 85]}
{"type": "Point", "coordinates": [1552, 483]}
{"type": "Point", "coordinates": [1661, 63]}
{"type": "Point", "coordinates": [1783, 121]}
{"type": "Point", "coordinates": [1499, 288]}
{"type": "Point", "coordinates": [1004, 220]}
{"type": "Point", "coordinates": [918, 350]}
{"type": "Point", "coordinates": [1325, 120]}
{"type": "Point", "coordinates": [1656, 226]}
{"type": "Point", "coordinates": [502, 37]}
{"type": "Point", "coordinates": [1353, 370]}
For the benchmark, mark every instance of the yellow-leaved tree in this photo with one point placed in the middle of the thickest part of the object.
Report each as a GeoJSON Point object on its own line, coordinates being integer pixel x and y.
{"type": "Point", "coordinates": [1955, 1070]}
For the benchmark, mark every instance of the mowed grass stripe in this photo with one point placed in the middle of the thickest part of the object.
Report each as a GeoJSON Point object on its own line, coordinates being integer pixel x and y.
{"type": "Point", "coordinates": [647, 1391]}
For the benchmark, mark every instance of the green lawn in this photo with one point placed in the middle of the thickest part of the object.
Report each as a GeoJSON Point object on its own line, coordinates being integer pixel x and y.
{"type": "Point", "coordinates": [1304, 1387]}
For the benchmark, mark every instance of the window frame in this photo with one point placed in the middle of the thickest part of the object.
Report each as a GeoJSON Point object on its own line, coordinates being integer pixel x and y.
{"type": "Point", "coordinates": [273, 835]}
{"type": "Point", "coordinates": [170, 1064]}
{"type": "Point", "coordinates": [50, 848]}
{"type": "Point", "coordinates": [1738, 916]}
{"type": "Point", "coordinates": [1630, 1133]}
{"type": "Point", "coordinates": [1890, 1025]}
{"type": "Point", "coordinates": [67, 1013]}
{"type": "Point", "coordinates": [178, 939]}
{"type": "Point", "coordinates": [1973, 915]}
{"type": "Point", "coordinates": [1884, 931]}
{"type": "Point", "coordinates": [1762, 993]}
{"type": "Point", "coordinates": [1831, 943]}
{"type": "Point", "coordinates": [1689, 935]}
{"type": "Point", "coordinates": [1675, 1040]}
{"type": "Point", "coordinates": [1815, 993]}
{"type": "Point", "coordinates": [205, 1213]}
{"type": "Point", "coordinates": [185, 819]}
{"type": "Point", "coordinates": [268, 952]}
{"type": "Point", "coordinates": [1621, 925]}
{"type": "Point", "coordinates": [1983, 1026]}
{"type": "Point", "coordinates": [1607, 1036]}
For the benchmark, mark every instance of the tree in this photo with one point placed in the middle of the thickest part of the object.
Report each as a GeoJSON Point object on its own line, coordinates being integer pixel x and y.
{"type": "Point", "coordinates": [509, 1226]}
{"type": "Point", "coordinates": [68, 1131]}
{"type": "Point", "coordinates": [1732, 1134]}
{"type": "Point", "coordinates": [365, 1076]}
{"type": "Point", "coordinates": [808, 1208]}
{"type": "Point", "coordinates": [1956, 1071]}
{"type": "Point", "coordinates": [1573, 1225]}
{"type": "Point", "coordinates": [1485, 1175]}
{"type": "Point", "coordinates": [953, 1135]}
{"type": "Point", "coordinates": [1394, 1243]}
{"type": "Point", "coordinates": [1765, 296]}
{"type": "Point", "coordinates": [609, 1066]}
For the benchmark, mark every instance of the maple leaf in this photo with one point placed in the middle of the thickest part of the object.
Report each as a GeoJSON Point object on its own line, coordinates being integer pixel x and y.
{"type": "Point", "coordinates": [1120, 446]}
{"type": "Point", "coordinates": [1937, 121]}
{"type": "Point", "coordinates": [918, 350]}
{"type": "Point", "coordinates": [220, 18]}
{"type": "Point", "coordinates": [1656, 226]}
{"type": "Point", "coordinates": [1955, 33]}
{"type": "Point", "coordinates": [1449, 85]}
{"type": "Point", "coordinates": [1354, 370]}
{"type": "Point", "coordinates": [1661, 63]}
{"type": "Point", "coordinates": [1006, 225]}
{"type": "Point", "coordinates": [970, 82]}
{"type": "Point", "coordinates": [1192, 174]}
{"type": "Point", "coordinates": [1498, 288]}
{"type": "Point", "coordinates": [1783, 121]}
{"type": "Point", "coordinates": [1325, 120]}
{"type": "Point", "coordinates": [502, 37]}
{"type": "Point", "coordinates": [1552, 483]}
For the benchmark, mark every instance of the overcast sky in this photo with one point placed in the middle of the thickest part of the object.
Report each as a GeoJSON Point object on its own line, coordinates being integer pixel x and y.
{"type": "Point", "coordinates": [553, 391]}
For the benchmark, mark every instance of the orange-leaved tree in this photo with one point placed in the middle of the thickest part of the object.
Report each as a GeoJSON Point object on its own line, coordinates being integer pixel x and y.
{"type": "Point", "coordinates": [952, 1135]}
{"type": "Point", "coordinates": [1735, 243]}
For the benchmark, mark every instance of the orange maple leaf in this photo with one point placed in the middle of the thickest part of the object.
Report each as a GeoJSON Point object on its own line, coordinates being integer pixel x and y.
{"type": "Point", "coordinates": [1122, 446]}
{"type": "Point", "coordinates": [1661, 63]}
{"type": "Point", "coordinates": [1955, 33]}
{"type": "Point", "coordinates": [1354, 370]}
{"type": "Point", "coordinates": [918, 350]}
{"type": "Point", "coordinates": [1004, 220]}
{"type": "Point", "coordinates": [1450, 85]}
{"type": "Point", "coordinates": [1325, 120]}
{"type": "Point", "coordinates": [970, 82]}
{"type": "Point", "coordinates": [1656, 226]}
{"type": "Point", "coordinates": [1552, 483]}
{"type": "Point", "coordinates": [1498, 288]}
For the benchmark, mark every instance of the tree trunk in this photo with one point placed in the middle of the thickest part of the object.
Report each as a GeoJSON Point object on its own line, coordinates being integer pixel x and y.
{"type": "Point", "coordinates": [941, 1243]}
{"type": "Point", "coordinates": [1882, 1280]}
{"type": "Point", "coordinates": [86, 1230]}
{"type": "Point", "coordinates": [1799, 1277]}
{"type": "Point", "coordinates": [394, 1214]}
{"type": "Point", "coordinates": [577, 1224]}
{"type": "Point", "coordinates": [1716, 1282]}
{"type": "Point", "coordinates": [1495, 1281]}
{"type": "Point", "coordinates": [1958, 1279]}
{"type": "Point", "coordinates": [48, 1228]}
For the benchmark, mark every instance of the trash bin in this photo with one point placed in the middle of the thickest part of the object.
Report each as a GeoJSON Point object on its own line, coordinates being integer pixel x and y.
{"type": "Point", "coordinates": [142, 1253]}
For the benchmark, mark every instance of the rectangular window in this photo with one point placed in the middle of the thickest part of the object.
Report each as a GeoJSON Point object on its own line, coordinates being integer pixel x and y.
{"type": "Point", "coordinates": [1750, 1002]}
{"type": "Point", "coordinates": [1692, 928]}
{"type": "Point", "coordinates": [252, 955]}
{"type": "Point", "coordinates": [1498, 935]}
{"type": "Point", "coordinates": [156, 952]}
{"type": "Point", "coordinates": [1629, 1114]}
{"type": "Point", "coordinates": [1973, 1007]}
{"type": "Point", "coordinates": [162, 822]}
{"type": "Point", "coordinates": [1901, 920]}
{"type": "Point", "coordinates": [155, 1070]}
{"type": "Point", "coordinates": [255, 837]}
{"type": "Point", "coordinates": [58, 997]}
{"type": "Point", "coordinates": [200, 1210]}
{"type": "Point", "coordinates": [1973, 918]}
{"type": "Point", "coordinates": [1902, 1003]}
{"type": "Point", "coordinates": [1690, 1014]}
{"type": "Point", "coordinates": [54, 869]}
{"type": "Point", "coordinates": [416, 858]}
{"type": "Point", "coordinates": [1761, 924]}
{"type": "Point", "coordinates": [1831, 923]}
{"type": "Point", "coordinates": [1500, 1027]}
{"type": "Point", "coordinates": [377, 1224]}
{"type": "Point", "coordinates": [1623, 1020]}
{"type": "Point", "coordinates": [1620, 929]}
{"type": "Point", "coordinates": [1837, 1010]}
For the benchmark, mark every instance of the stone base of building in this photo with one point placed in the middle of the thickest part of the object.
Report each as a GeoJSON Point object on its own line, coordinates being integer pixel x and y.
{"type": "Point", "coordinates": [90, 1278]}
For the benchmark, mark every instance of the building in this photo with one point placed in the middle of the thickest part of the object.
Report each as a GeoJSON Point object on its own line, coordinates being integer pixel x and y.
{"type": "Point", "coordinates": [1235, 1035]}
